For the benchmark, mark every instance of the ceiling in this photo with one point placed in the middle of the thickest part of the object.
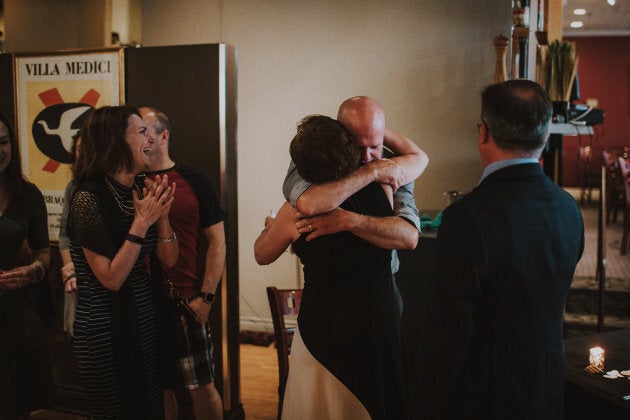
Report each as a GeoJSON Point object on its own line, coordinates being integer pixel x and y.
{"type": "Point", "coordinates": [601, 19]}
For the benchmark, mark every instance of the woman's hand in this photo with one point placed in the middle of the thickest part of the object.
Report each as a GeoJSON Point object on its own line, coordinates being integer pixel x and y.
{"type": "Point", "coordinates": [69, 277]}
{"type": "Point", "coordinates": [158, 197]}
{"type": "Point", "coordinates": [277, 235]}
{"type": "Point", "coordinates": [168, 191]}
{"type": "Point", "coordinates": [71, 285]}
{"type": "Point", "coordinates": [17, 277]}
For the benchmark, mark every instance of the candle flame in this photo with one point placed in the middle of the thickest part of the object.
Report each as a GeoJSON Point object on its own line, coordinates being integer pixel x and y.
{"type": "Point", "coordinates": [596, 357]}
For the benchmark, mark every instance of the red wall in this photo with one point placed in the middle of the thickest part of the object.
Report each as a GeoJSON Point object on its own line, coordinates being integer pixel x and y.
{"type": "Point", "coordinates": [604, 74]}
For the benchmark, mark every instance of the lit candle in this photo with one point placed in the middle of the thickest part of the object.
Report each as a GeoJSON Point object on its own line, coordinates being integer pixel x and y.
{"type": "Point", "coordinates": [596, 357]}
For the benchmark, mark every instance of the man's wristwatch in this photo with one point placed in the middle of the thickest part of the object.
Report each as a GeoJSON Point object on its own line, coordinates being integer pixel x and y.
{"type": "Point", "coordinates": [207, 297]}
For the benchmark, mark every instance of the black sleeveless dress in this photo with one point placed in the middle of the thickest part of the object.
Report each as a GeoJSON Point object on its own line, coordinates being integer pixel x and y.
{"type": "Point", "coordinates": [350, 323]}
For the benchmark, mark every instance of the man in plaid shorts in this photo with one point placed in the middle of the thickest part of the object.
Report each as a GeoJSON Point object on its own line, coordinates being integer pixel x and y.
{"type": "Point", "coordinates": [197, 219]}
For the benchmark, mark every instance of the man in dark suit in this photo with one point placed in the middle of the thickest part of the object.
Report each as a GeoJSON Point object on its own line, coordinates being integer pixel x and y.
{"type": "Point", "coordinates": [507, 253]}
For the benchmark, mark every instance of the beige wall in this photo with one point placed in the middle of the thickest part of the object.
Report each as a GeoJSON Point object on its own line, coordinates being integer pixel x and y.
{"type": "Point", "coordinates": [36, 25]}
{"type": "Point", "coordinates": [425, 61]}
{"type": "Point", "coordinates": [126, 20]}
{"type": "Point", "coordinates": [553, 17]}
{"type": "Point", "coordinates": [183, 22]}
{"type": "Point", "coordinates": [2, 25]}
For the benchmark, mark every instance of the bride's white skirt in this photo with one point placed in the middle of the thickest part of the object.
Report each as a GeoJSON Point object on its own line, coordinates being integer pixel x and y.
{"type": "Point", "coordinates": [313, 392]}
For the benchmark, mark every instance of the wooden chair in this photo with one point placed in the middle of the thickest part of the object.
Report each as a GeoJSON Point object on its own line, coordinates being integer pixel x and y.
{"type": "Point", "coordinates": [624, 165]}
{"type": "Point", "coordinates": [615, 191]}
{"type": "Point", "coordinates": [589, 180]}
{"type": "Point", "coordinates": [283, 302]}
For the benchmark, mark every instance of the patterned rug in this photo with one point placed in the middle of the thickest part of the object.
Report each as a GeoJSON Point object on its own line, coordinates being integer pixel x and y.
{"type": "Point", "coordinates": [583, 305]}
{"type": "Point", "coordinates": [258, 338]}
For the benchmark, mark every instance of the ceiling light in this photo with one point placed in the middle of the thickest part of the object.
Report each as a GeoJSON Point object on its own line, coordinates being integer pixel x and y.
{"type": "Point", "coordinates": [612, 2]}
{"type": "Point", "coordinates": [577, 24]}
{"type": "Point", "coordinates": [579, 12]}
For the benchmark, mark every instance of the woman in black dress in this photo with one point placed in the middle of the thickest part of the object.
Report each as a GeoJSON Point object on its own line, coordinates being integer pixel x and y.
{"type": "Point", "coordinates": [26, 382]}
{"type": "Point", "coordinates": [347, 357]}
{"type": "Point", "coordinates": [113, 224]}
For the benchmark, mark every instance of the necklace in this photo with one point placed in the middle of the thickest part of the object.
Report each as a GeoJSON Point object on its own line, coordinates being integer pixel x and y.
{"type": "Point", "coordinates": [125, 205]}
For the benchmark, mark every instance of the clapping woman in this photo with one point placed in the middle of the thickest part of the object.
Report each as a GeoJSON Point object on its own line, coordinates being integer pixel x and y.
{"type": "Point", "coordinates": [114, 222]}
{"type": "Point", "coordinates": [26, 382]}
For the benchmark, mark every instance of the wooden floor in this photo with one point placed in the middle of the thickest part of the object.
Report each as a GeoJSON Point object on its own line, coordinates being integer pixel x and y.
{"type": "Point", "coordinates": [259, 381]}
{"type": "Point", "coordinates": [259, 386]}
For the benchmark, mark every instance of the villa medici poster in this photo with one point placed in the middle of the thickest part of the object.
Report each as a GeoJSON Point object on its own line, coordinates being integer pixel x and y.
{"type": "Point", "coordinates": [54, 93]}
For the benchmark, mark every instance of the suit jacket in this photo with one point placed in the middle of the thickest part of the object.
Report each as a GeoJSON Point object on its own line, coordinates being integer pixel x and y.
{"type": "Point", "coordinates": [507, 253]}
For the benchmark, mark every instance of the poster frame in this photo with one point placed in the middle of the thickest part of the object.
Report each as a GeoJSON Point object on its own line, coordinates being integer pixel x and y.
{"type": "Point", "coordinates": [115, 81]}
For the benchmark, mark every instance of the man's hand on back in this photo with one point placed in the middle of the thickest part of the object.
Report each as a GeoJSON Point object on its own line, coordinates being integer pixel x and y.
{"type": "Point", "coordinates": [334, 221]}
{"type": "Point", "coordinates": [391, 232]}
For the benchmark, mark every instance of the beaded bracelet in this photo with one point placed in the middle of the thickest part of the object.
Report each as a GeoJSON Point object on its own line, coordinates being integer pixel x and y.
{"type": "Point", "coordinates": [134, 239]}
{"type": "Point", "coordinates": [167, 240]}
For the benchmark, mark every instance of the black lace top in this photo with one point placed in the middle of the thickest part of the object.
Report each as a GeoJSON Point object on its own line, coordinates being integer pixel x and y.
{"type": "Point", "coordinates": [115, 338]}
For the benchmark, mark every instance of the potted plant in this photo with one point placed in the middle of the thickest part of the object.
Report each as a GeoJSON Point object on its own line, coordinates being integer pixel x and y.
{"type": "Point", "coordinates": [561, 67]}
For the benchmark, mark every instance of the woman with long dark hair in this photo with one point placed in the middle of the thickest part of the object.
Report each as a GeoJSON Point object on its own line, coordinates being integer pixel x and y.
{"type": "Point", "coordinates": [26, 382]}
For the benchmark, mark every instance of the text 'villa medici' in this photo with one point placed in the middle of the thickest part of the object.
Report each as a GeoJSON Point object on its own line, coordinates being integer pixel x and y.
{"type": "Point", "coordinates": [73, 67]}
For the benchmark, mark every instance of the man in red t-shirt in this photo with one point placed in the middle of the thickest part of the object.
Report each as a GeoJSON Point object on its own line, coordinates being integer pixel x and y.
{"type": "Point", "coordinates": [197, 219]}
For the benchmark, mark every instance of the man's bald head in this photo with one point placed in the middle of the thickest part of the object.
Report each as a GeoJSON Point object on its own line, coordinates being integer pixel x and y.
{"type": "Point", "coordinates": [365, 119]}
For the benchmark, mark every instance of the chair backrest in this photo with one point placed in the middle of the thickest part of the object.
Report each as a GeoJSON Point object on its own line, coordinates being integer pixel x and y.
{"type": "Point", "coordinates": [610, 158]}
{"type": "Point", "coordinates": [612, 167]}
{"type": "Point", "coordinates": [624, 166]}
{"type": "Point", "coordinates": [283, 303]}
